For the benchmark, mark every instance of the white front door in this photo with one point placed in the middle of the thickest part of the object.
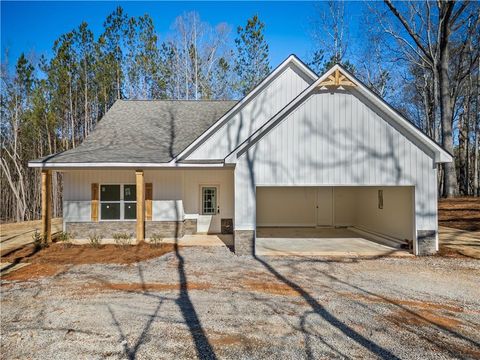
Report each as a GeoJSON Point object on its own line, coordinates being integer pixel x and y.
{"type": "Point", "coordinates": [209, 217]}
{"type": "Point", "coordinates": [325, 206]}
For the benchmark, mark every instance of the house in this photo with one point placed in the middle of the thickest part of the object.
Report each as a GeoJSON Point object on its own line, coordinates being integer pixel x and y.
{"type": "Point", "coordinates": [298, 151]}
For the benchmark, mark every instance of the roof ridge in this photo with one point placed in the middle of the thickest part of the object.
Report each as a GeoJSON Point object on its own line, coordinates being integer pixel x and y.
{"type": "Point", "coordinates": [177, 100]}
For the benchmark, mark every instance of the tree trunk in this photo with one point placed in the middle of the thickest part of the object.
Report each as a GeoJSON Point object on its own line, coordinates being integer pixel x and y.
{"type": "Point", "coordinates": [71, 113]}
{"type": "Point", "coordinates": [462, 153]}
{"type": "Point", "coordinates": [446, 108]}
{"type": "Point", "coordinates": [476, 188]}
{"type": "Point", "coordinates": [85, 126]}
{"type": "Point", "coordinates": [476, 160]}
{"type": "Point", "coordinates": [118, 80]}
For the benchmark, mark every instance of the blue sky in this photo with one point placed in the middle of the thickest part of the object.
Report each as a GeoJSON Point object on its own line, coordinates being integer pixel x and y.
{"type": "Point", "coordinates": [32, 27]}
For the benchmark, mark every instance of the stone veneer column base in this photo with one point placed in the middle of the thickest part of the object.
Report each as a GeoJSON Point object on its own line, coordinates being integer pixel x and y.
{"type": "Point", "coordinates": [244, 242]}
{"type": "Point", "coordinates": [426, 242]}
{"type": "Point", "coordinates": [190, 226]}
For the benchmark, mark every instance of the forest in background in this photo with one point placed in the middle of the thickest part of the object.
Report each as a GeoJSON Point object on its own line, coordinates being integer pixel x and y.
{"type": "Point", "coordinates": [422, 57]}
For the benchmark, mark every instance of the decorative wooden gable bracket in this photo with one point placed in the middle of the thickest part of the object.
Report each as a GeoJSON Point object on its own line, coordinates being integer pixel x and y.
{"type": "Point", "coordinates": [337, 79]}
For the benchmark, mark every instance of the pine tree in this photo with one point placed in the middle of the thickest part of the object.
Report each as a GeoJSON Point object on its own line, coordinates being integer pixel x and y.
{"type": "Point", "coordinates": [116, 28]}
{"type": "Point", "coordinates": [84, 43]}
{"type": "Point", "coordinates": [252, 58]}
{"type": "Point", "coordinates": [148, 59]}
{"type": "Point", "coordinates": [221, 81]}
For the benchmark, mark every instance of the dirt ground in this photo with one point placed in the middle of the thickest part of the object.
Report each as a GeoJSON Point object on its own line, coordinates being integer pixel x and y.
{"type": "Point", "coordinates": [460, 213]}
{"type": "Point", "coordinates": [16, 235]}
{"type": "Point", "coordinates": [455, 242]}
{"type": "Point", "coordinates": [55, 258]}
{"type": "Point", "coordinates": [211, 304]}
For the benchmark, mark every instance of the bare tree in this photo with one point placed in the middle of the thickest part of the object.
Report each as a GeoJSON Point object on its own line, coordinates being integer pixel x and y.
{"type": "Point", "coordinates": [15, 101]}
{"type": "Point", "coordinates": [196, 49]}
{"type": "Point", "coordinates": [426, 35]}
{"type": "Point", "coordinates": [330, 34]}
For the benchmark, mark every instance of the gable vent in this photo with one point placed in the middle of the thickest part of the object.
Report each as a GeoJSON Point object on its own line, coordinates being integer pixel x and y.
{"type": "Point", "coordinates": [337, 78]}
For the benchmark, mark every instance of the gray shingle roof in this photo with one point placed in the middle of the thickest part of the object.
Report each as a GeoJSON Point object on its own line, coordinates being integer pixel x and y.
{"type": "Point", "coordinates": [144, 131]}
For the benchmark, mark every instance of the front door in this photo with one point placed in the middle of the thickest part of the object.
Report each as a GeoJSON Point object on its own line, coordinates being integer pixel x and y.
{"type": "Point", "coordinates": [209, 218]}
{"type": "Point", "coordinates": [325, 206]}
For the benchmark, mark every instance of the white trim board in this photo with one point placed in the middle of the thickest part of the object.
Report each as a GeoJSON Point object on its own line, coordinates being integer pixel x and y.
{"type": "Point", "coordinates": [104, 165]}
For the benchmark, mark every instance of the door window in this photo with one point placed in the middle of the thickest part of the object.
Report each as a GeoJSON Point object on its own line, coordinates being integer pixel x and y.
{"type": "Point", "coordinates": [209, 200]}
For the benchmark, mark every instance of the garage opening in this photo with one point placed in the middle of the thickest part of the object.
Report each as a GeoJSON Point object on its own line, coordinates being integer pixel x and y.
{"type": "Point", "coordinates": [327, 220]}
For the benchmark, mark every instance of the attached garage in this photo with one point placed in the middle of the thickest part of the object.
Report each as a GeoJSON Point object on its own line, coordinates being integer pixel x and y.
{"type": "Point", "coordinates": [337, 163]}
{"type": "Point", "coordinates": [326, 215]}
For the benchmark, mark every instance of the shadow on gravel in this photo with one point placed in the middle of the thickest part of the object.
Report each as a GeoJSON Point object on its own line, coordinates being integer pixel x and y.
{"type": "Point", "coordinates": [202, 345]}
{"type": "Point", "coordinates": [131, 352]}
{"type": "Point", "coordinates": [441, 343]}
{"type": "Point", "coordinates": [448, 342]}
{"type": "Point", "coordinates": [318, 309]}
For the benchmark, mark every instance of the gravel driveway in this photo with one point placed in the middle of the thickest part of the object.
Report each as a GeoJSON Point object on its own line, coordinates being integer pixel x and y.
{"type": "Point", "coordinates": [210, 303]}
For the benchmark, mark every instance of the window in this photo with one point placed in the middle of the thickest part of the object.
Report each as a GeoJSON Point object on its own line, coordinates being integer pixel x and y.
{"type": "Point", "coordinates": [110, 202]}
{"type": "Point", "coordinates": [130, 202]}
{"type": "Point", "coordinates": [118, 202]}
{"type": "Point", "coordinates": [209, 200]}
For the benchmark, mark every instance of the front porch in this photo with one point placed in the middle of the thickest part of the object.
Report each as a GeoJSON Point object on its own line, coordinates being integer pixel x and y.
{"type": "Point", "coordinates": [165, 203]}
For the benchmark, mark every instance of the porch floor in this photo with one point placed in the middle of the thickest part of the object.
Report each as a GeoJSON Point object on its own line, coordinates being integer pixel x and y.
{"type": "Point", "coordinates": [202, 240]}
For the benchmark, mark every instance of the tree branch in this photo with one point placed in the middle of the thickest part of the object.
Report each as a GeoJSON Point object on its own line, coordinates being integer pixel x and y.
{"type": "Point", "coordinates": [410, 31]}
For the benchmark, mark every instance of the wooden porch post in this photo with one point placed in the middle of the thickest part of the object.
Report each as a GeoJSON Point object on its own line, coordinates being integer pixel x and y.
{"type": "Point", "coordinates": [47, 205]}
{"type": "Point", "coordinates": [140, 206]}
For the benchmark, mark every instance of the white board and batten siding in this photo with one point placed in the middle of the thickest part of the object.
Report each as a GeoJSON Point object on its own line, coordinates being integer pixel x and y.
{"type": "Point", "coordinates": [176, 193]}
{"type": "Point", "coordinates": [336, 139]}
{"type": "Point", "coordinates": [276, 95]}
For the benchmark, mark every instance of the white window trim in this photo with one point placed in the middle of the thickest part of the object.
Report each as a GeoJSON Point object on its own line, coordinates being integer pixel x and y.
{"type": "Point", "coordinates": [122, 202]}
{"type": "Point", "coordinates": [206, 185]}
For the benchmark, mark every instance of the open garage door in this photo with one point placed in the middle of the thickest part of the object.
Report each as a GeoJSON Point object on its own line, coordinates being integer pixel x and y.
{"type": "Point", "coordinates": [381, 214]}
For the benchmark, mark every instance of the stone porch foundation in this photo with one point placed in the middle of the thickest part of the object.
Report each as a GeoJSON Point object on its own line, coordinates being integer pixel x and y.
{"type": "Point", "coordinates": [106, 229]}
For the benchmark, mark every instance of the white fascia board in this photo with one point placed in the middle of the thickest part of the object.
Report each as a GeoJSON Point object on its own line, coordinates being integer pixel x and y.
{"type": "Point", "coordinates": [305, 69]}
{"type": "Point", "coordinates": [440, 155]}
{"type": "Point", "coordinates": [252, 94]}
{"type": "Point", "coordinates": [122, 165]}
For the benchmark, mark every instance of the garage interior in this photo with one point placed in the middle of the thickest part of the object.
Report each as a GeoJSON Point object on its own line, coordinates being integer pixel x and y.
{"type": "Point", "coordinates": [334, 220]}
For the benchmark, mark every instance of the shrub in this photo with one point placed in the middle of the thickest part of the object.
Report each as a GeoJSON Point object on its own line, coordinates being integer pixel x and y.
{"type": "Point", "coordinates": [66, 238]}
{"type": "Point", "coordinates": [95, 240]}
{"type": "Point", "coordinates": [155, 239]}
{"type": "Point", "coordinates": [39, 241]}
{"type": "Point", "coordinates": [122, 239]}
